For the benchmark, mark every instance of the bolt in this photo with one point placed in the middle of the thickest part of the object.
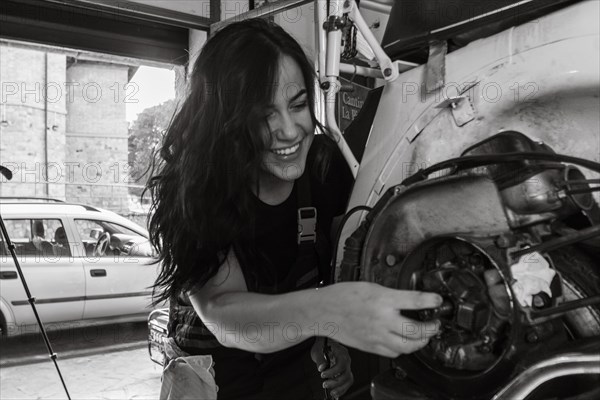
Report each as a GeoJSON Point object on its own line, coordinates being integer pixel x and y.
{"type": "Point", "coordinates": [445, 310]}
{"type": "Point", "coordinates": [538, 302]}
{"type": "Point", "coordinates": [426, 315]}
{"type": "Point", "coordinates": [541, 300]}
{"type": "Point", "coordinates": [325, 85]}
{"type": "Point", "coordinates": [532, 337]}
{"type": "Point", "coordinates": [390, 260]}
{"type": "Point", "coordinates": [387, 72]}
{"type": "Point", "coordinates": [476, 260]}
{"type": "Point", "coordinates": [346, 4]}
{"type": "Point", "coordinates": [503, 241]}
{"type": "Point", "coordinates": [399, 373]}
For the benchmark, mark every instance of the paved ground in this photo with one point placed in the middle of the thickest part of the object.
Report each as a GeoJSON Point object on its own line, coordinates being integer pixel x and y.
{"type": "Point", "coordinates": [127, 374]}
{"type": "Point", "coordinates": [103, 362]}
{"type": "Point", "coordinates": [72, 342]}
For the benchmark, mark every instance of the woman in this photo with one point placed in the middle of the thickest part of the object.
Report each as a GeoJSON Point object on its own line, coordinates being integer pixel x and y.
{"type": "Point", "coordinates": [241, 168]}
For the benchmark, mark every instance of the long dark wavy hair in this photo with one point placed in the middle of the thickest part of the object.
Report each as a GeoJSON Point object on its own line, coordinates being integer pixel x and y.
{"type": "Point", "coordinates": [212, 151]}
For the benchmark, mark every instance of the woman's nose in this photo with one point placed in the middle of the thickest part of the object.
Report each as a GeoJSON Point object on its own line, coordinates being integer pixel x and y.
{"type": "Point", "coordinates": [288, 131]}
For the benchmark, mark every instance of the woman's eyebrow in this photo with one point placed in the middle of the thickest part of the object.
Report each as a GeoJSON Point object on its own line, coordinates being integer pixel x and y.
{"type": "Point", "coordinates": [297, 95]}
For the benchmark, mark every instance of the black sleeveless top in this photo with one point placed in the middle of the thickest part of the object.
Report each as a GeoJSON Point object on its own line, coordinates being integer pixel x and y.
{"type": "Point", "coordinates": [284, 268]}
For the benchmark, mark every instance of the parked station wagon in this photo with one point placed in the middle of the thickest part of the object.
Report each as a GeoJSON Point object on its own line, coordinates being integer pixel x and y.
{"type": "Point", "coordinates": [81, 263]}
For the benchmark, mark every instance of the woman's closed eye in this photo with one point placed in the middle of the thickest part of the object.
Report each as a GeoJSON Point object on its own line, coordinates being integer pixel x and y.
{"type": "Point", "coordinates": [300, 106]}
{"type": "Point", "coordinates": [269, 114]}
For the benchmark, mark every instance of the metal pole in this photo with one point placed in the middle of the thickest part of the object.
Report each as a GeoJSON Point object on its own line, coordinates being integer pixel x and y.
{"type": "Point", "coordinates": [332, 84]}
{"type": "Point", "coordinates": [11, 247]}
{"type": "Point", "coordinates": [45, 92]}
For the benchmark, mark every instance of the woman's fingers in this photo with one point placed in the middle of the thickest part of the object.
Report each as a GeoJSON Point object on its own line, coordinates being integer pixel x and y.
{"type": "Point", "coordinates": [340, 384]}
{"type": "Point", "coordinates": [340, 391]}
{"type": "Point", "coordinates": [376, 324]}
{"type": "Point", "coordinates": [413, 300]}
{"type": "Point", "coordinates": [402, 345]}
{"type": "Point", "coordinates": [333, 371]}
{"type": "Point", "coordinates": [414, 330]}
{"type": "Point", "coordinates": [411, 336]}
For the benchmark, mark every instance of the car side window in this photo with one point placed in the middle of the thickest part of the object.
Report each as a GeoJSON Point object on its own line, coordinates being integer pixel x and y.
{"type": "Point", "coordinates": [106, 239]}
{"type": "Point", "coordinates": [89, 232]}
{"type": "Point", "coordinates": [45, 238]}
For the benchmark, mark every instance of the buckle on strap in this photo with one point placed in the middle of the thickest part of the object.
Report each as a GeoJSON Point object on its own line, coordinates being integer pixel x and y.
{"type": "Point", "coordinates": [307, 225]}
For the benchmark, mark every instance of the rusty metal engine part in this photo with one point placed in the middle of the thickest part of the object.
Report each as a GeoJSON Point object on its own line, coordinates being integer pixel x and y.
{"type": "Point", "coordinates": [459, 234]}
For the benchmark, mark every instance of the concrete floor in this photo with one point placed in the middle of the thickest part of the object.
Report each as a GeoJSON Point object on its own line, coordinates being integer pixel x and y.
{"type": "Point", "coordinates": [127, 374]}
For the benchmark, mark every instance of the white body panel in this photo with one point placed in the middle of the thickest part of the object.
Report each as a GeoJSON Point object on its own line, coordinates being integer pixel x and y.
{"type": "Point", "coordinates": [541, 78]}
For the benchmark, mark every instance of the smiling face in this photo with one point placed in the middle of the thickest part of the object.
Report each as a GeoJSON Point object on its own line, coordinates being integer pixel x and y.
{"type": "Point", "coordinates": [289, 126]}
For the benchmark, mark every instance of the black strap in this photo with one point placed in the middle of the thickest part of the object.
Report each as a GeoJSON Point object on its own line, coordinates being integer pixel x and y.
{"type": "Point", "coordinates": [304, 196]}
{"type": "Point", "coordinates": [308, 221]}
{"type": "Point", "coordinates": [306, 216]}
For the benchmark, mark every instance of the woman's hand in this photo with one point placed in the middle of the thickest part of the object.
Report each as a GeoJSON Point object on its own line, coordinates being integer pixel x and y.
{"type": "Point", "coordinates": [338, 377]}
{"type": "Point", "coordinates": [367, 316]}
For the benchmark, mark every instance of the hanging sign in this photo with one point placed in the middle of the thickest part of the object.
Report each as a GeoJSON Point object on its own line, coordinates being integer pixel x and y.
{"type": "Point", "coordinates": [349, 103]}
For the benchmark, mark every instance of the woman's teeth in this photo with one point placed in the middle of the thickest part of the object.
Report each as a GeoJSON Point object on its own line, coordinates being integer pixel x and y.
{"type": "Point", "coordinates": [287, 150]}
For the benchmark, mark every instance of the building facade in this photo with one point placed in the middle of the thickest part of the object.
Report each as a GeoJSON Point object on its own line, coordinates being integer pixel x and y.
{"type": "Point", "coordinates": [63, 128]}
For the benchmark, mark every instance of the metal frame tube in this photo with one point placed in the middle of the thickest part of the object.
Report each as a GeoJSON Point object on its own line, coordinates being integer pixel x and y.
{"type": "Point", "coordinates": [390, 72]}
{"type": "Point", "coordinates": [320, 37]}
{"type": "Point", "coordinates": [544, 371]}
{"type": "Point", "coordinates": [361, 71]}
{"type": "Point", "coordinates": [320, 14]}
{"type": "Point", "coordinates": [377, 7]}
{"type": "Point", "coordinates": [332, 68]}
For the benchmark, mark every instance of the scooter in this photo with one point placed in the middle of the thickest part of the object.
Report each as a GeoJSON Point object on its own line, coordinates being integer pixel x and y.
{"type": "Point", "coordinates": [478, 178]}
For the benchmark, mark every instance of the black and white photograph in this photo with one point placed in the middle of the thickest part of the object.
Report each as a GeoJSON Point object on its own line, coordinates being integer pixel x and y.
{"type": "Point", "coordinates": [299, 200]}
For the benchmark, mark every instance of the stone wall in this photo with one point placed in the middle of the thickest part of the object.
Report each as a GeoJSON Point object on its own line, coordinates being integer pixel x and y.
{"type": "Point", "coordinates": [33, 119]}
{"type": "Point", "coordinates": [97, 135]}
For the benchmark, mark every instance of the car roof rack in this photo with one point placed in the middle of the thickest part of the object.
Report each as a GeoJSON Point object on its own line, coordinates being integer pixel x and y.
{"type": "Point", "coordinates": [40, 199]}
{"type": "Point", "coordinates": [45, 200]}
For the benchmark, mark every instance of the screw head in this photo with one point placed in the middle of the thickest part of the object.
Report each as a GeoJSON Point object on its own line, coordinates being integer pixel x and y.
{"type": "Point", "coordinates": [503, 241]}
{"type": "Point", "coordinates": [532, 337]}
{"type": "Point", "coordinates": [390, 260]}
{"type": "Point", "coordinates": [541, 300]}
{"type": "Point", "coordinates": [387, 72]}
{"type": "Point", "coordinates": [399, 373]}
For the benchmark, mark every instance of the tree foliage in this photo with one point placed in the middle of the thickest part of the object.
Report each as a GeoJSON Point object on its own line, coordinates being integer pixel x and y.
{"type": "Point", "coordinates": [145, 135]}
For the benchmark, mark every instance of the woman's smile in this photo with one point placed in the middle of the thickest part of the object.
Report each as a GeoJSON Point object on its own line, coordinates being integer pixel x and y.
{"type": "Point", "coordinates": [286, 152]}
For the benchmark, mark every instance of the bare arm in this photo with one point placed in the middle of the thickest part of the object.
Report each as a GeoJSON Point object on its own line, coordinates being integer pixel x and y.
{"type": "Point", "coordinates": [252, 321]}
{"type": "Point", "coordinates": [358, 314]}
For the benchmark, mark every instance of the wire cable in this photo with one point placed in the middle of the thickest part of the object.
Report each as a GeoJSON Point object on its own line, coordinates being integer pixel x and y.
{"type": "Point", "coordinates": [326, 346]}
